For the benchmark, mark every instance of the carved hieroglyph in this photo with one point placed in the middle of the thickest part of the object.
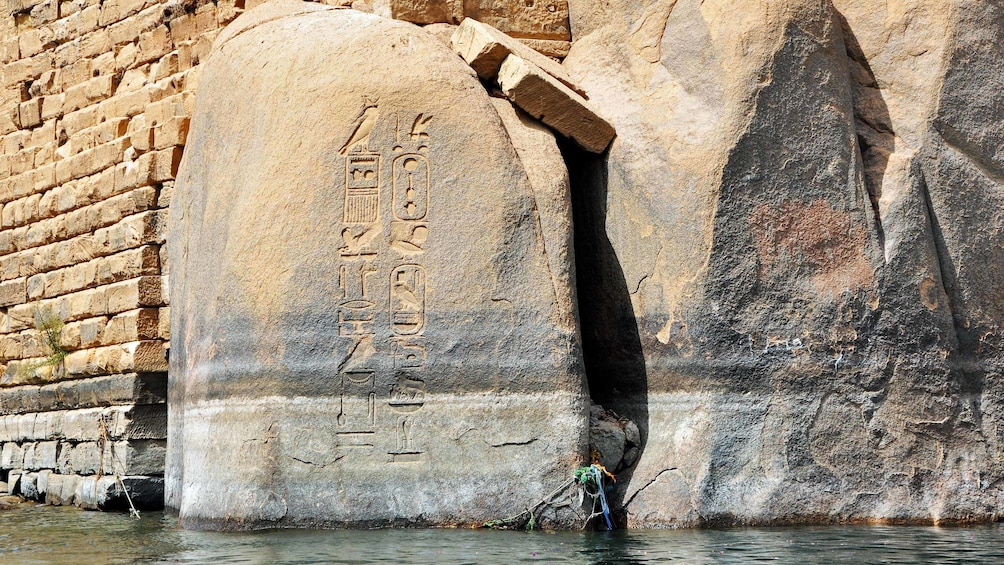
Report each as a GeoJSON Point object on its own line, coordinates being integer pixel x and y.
{"type": "Point", "coordinates": [368, 327]}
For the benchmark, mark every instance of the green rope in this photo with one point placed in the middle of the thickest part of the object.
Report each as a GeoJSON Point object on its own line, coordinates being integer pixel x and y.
{"type": "Point", "coordinates": [590, 481]}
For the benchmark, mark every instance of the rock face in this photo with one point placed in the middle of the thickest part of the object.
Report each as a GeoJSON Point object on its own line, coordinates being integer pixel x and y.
{"type": "Point", "coordinates": [796, 247]}
{"type": "Point", "coordinates": [369, 324]}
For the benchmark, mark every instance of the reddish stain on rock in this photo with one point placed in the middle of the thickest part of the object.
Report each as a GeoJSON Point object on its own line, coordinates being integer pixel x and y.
{"type": "Point", "coordinates": [811, 239]}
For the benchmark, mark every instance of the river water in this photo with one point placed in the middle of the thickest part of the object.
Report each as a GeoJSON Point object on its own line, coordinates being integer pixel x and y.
{"type": "Point", "coordinates": [37, 534]}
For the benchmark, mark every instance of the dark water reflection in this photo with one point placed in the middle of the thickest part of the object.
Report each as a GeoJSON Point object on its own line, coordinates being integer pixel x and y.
{"type": "Point", "coordinates": [35, 534]}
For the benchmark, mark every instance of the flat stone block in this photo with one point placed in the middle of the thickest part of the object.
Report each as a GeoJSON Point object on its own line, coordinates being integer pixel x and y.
{"type": "Point", "coordinates": [547, 99]}
{"type": "Point", "coordinates": [133, 457]}
{"type": "Point", "coordinates": [43, 455]}
{"type": "Point", "coordinates": [42, 482]}
{"type": "Point", "coordinates": [14, 482]}
{"type": "Point", "coordinates": [30, 113]}
{"type": "Point", "coordinates": [61, 489]}
{"type": "Point", "coordinates": [138, 356]}
{"type": "Point", "coordinates": [145, 388]}
{"type": "Point", "coordinates": [485, 48]}
{"type": "Point", "coordinates": [13, 292]}
{"type": "Point", "coordinates": [28, 453]}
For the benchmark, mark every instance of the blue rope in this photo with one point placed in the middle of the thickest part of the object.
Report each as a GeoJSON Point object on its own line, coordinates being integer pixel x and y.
{"type": "Point", "coordinates": [598, 477]}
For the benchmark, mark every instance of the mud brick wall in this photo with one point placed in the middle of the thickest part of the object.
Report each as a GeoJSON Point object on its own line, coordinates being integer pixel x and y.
{"type": "Point", "coordinates": [94, 111]}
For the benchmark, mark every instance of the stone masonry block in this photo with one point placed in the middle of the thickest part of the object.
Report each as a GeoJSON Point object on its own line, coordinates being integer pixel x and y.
{"type": "Point", "coordinates": [28, 457]}
{"type": "Point", "coordinates": [42, 481]}
{"type": "Point", "coordinates": [140, 133]}
{"type": "Point", "coordinates": [140, 324]}
{"type": "Point", "coordinates": [108, 492]}
{"type": "Point", "coordinates": [545, 98]}
{"type": "Point", "coordinates": [61, 489]}
{"type": "Point", "coordinates": [29, 486]}
{"type": "Point", "coordinates": [172, 132]}
{"type": "Point", "coordinates": [131, 457]}
{"type": "Point", "coordinates": [139, 356]}
{"type": "Point", "coordinates": [12, 456]}
{"type": "Point", "coordinates": [14, 481]}
{"type": "Point", "coordinates": [30, 113]}
{"type": "Point", "coordinates": [538, 19]}
{"type": "Point", "coordinates": [484, 48]}
{"type": "Point", "coordinates": [45, 455]}
{"type": "Point", "coordinates": [52, 106]}
{"type": "Point", "coordinates": [165, 164]}
{"type": "Point", "coordinates": [13, 292]}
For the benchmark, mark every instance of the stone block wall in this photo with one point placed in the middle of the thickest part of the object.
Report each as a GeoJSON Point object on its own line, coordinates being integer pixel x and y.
{"type": "Point", "coordinates": [94, 111]}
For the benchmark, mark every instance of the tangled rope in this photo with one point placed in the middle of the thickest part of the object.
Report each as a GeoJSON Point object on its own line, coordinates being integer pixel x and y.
{"type": "Point", "coordinates": [591, 481]}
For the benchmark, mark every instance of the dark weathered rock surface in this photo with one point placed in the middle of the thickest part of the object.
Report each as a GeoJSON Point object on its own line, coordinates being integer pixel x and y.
{"type": "Point", "coordinates": [367, 327]}
{"type": "Point", "coordinates": [796, 240]}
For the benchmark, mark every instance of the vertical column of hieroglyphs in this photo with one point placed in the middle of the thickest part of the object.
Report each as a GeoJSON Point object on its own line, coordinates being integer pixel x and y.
{"type": "Point", "coordinates": [382, 282]}
{"type": "Point", "coordinates": [93, 116]}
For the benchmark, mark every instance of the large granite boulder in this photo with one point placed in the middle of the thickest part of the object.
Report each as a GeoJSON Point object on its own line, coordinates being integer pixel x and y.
{"type": "Point", "coordinates": [369, 325]}
{"type": "Point", "coordinates": [797, 244]}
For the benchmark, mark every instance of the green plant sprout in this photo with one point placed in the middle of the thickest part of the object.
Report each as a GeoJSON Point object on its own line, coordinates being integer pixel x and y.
{"type": "Point", "coordinates": [50, 332]}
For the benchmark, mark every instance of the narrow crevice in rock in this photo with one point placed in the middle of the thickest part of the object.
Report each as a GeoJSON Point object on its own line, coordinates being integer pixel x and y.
{"type": "Point", "coordinates": [876, 138]}
{"type": "Point", "coordinates": [612, 350]}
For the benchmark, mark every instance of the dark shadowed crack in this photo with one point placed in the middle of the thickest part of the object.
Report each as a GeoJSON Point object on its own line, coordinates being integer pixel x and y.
{"type": "Point", "coordinates": [323, 465]}
{"type": "Point", "coordinates": [510, 443]}
{"type": "Point", "coordinates": [648, 484]}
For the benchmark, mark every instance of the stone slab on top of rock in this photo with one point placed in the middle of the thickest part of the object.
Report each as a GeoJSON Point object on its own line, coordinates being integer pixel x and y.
{"type": "Point", "coordinates": [484, 48]}
{"type": "Point", "coordinates": [547, 99]}
{"type": "Point", "coordinates": [366, 330]}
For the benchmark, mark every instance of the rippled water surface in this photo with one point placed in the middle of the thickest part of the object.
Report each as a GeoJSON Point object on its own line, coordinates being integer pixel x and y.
{"type": "Point", "coordinates": [37, 534]}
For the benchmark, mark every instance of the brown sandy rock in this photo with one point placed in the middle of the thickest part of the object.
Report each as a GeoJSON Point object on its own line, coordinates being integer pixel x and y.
{"type": "Point", "coordinates": [796, 251]}
{"type": "Point", "coordinates": [372, 314]}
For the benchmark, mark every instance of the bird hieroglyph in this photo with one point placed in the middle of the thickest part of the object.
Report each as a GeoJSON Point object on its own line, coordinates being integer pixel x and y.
{"type": "Point", "coordinates": [363, 127]}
